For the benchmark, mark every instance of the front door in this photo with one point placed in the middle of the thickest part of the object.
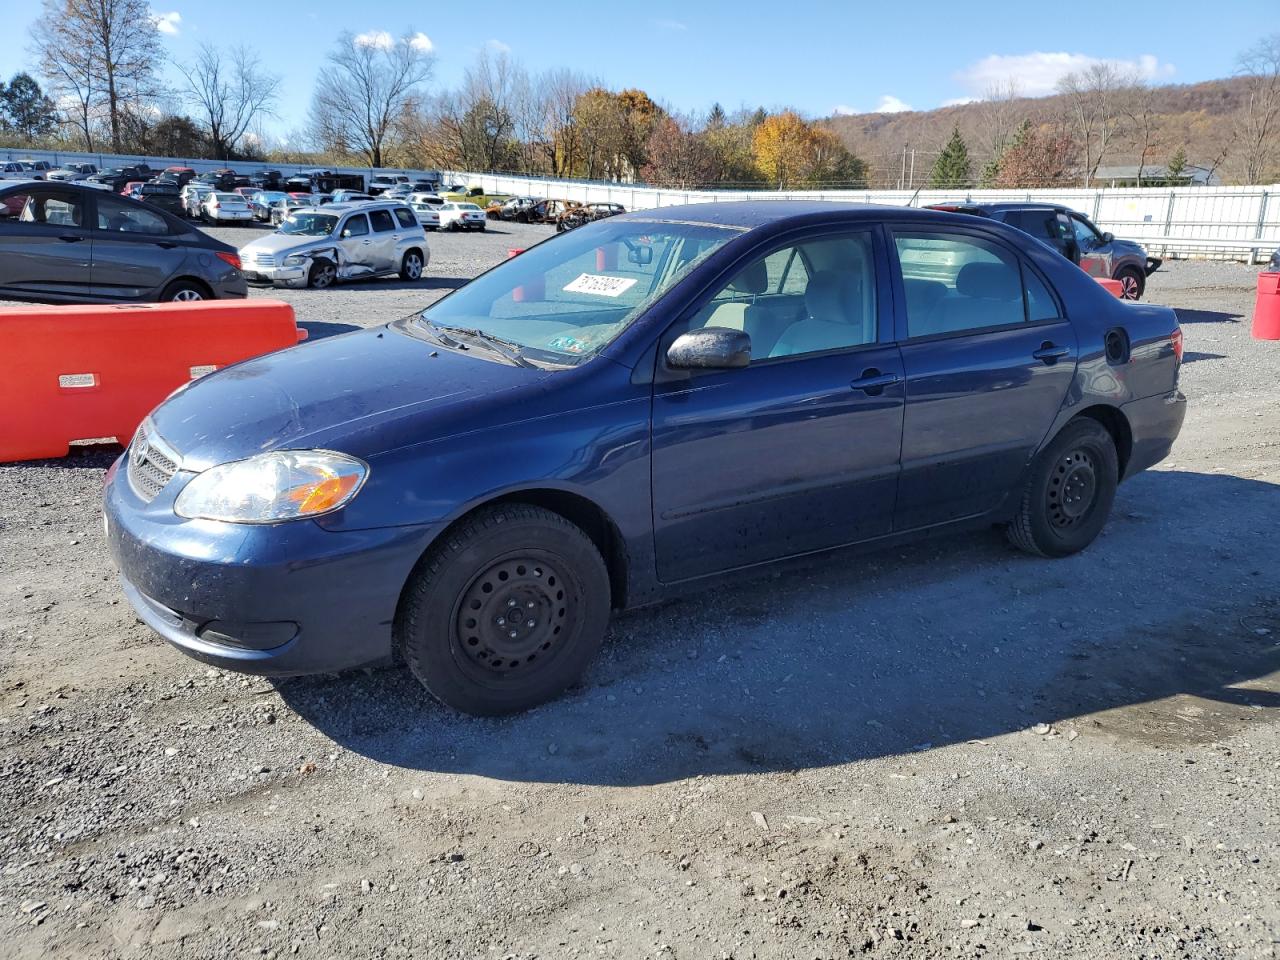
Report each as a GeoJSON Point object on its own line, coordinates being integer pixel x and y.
{"type": "Point", "coordinates": [134, 254]}
{"type": "Point", "coordinates": [1095, 253]}
{"type": "Point", "coordinates": [45, 247]}
{"type": "Point", "coordinates": [798, 451]}
{"type": "Point", "coordinates": [988, 357]}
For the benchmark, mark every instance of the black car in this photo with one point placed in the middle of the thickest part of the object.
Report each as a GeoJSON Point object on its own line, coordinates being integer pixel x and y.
{"type": "Point", "coordinates": [162, 193]}
{"type": "Point", "coordinates": [266, 180]}
{"type": "Point", "coordinates": [117, 177]}
{"type": "Point", "coordinates": [1275, 261]}
{"type": "Point", "coordinates": [67, 243]}
{"type": "Point", "coordinates": [1073, 235]}
{"type": "Point", "coordinates": [224, 180]}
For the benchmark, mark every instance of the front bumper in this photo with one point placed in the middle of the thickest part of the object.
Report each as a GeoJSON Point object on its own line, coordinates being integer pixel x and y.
{"type": "Point", "coordinates": [280, 276]}
{"type": "Point", "coordinates": [1154, 423]}
{"type": "Point", "coordinates": [275, 600]}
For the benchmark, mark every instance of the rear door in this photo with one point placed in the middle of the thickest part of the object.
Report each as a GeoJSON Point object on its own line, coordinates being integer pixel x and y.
{"type": "Point", "coordinates": [45, 248]}
{"type": "Point", "coordinates": [382, 240]}
{"type": "Point", "coordinates": [988, 356]}
{"type": "Point", "coordinates": [134, 253]}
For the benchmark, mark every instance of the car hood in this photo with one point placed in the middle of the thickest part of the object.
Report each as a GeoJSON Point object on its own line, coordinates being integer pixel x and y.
{"type": "Point", "coordinates": [280, 242]}
{"type": "Point", "coordinates": [1128, 246]}
{"type": "Point", "coordinates": [362, 393]}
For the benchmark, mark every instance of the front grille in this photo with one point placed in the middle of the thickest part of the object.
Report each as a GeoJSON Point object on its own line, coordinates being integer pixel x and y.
{"type": "Point", "coordinates": [152, 464]}
{"type": "Point", "coordinates": [260, 259]}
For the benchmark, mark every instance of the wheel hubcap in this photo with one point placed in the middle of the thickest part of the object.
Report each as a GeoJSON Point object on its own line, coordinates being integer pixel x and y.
{"type": "Point", "coordinates": [512, 616]}
{"type": "Point", "coordinates": [413, 267]}
{"type": "Point", "coordinates": [188, 295]}
{"type": "Point", "coordinates": [1129, 285]}
{"type": "Point", "coordinates": [1072, 489]}
{"type": "Point", "coordinates": [324, 277]}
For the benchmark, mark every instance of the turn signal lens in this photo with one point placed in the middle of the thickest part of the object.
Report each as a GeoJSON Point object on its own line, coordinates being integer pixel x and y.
{"type": "Point", "coordinates": [1177, 345]}
{"type": "Point", "coordinates": [230, 258]}
{"type": "Point", "coordinates": [273, 487]}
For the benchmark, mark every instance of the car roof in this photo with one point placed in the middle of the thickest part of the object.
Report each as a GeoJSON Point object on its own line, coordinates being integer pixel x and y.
{"type": "Point", "coordinates": [362, 206]}
{"type": "Point", "coordinates": [1002, 205]}
{"type": "Point", "coordinates": [748, 214]}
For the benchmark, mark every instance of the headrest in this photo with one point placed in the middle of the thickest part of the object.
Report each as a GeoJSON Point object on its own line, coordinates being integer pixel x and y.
{"type": "Point", "coordinates": [988, 281]}
{"type": "Point", "coordinates": [829, 295]}
{"type": "Point", "coordinates": [754, 279]}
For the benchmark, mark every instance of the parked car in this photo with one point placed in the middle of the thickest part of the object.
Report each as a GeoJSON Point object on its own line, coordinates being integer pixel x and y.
{"type": "Point", "coordinates": [385, 181]}
{"type": "Point", "coordinates": [183, 175]}
{"type": "Point", "coordinates": [281, 209]}
{"type": "Point", "coordinates": [472, 490]}
{"type": "Point", "coordinates": [224, 179]}
{"type": "Point", "coordinates": [587, 213]}
{"type": "Point", "coordinates": [14, 170]}
{"type": "Point", "coordinates": [73, 172]}
{"type": "Point", "coordinates": [509, 208]}
{"type": "Point", "coordinates": [428, 214]}
{"type": "Point", "coordinates": [144, 171]}
{"type": "Point", "coordinates": [544, 211]}
{"type": "Point", "coordinates": [131, 189]}
{"type": "Point", "coordinates": [115, 178]}
{"type": "Point", "coordinates": [164, 194]}
{"type": "Point", "coordinates": [65, 242]}
{"type": "Point", "coordinates": [266, 180]}
{"type": "Point", "coordinates": [461, 216]}
{"type": "Point", "coordinates": [246, 192]}
{"type": "Point", "coordinates": [37, 169]}
{"type": "Point", "coordinates": [263, 200]}
{"type": "Point", "coordinates": [299, 183]}
{"type": "Point", "coordinates": [192, 196]}
{"type": "Point", "coordinates": [1073, 235]}
{"type": "Point", "coordinates": [1275, 261]}
{"type": "Point", "coordinates": [349, 196]}
{"type": "Point", "coordinates": [220, 206]}
{"type": "Point", "coordinates": [343, 241]}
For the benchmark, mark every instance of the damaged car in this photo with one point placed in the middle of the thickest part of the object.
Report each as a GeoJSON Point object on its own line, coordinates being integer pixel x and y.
{"type": "Point", "coordinates": [318, 247]}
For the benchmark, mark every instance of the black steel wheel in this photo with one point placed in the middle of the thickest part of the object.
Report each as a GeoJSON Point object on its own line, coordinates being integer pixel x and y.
{"type": "Point", "coordinates": [506, 612]}
{"type": "Point", "coordinates": [1068, 496]}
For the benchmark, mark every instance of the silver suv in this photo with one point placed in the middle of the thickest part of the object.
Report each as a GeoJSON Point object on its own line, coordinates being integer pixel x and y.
{"type": "Point", "coordinates": [316, 247]}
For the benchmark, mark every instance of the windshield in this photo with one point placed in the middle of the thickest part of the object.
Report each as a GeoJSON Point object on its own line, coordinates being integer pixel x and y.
{"type": "Point", "coordinates": [309, 224]}
{"type": "Point", "coordinates": [567, 298]}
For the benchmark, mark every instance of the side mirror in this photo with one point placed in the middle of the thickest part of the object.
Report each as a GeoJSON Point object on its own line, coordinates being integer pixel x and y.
{"type": "Point", "coordinates": [711, 348]}
{"type": "Point", "coordinates": [1108, 237]}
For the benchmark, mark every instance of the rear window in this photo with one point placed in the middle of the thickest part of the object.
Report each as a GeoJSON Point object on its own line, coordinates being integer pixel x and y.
{"type": "Point", "coordinates": [406, 217]}
{"type": "Point", "coordinates": [381, 220]}
{"type": "Point", "coordinates": [167, 188]}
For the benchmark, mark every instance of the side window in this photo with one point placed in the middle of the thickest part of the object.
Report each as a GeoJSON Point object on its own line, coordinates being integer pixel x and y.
{"type": "Point", "coordinates": [1084, 234]}
{"type": "Point", "coordinates": [43, 207]}
{"type": "Point", "coordinates": [955, 283]}
{"type": "Point", "coordinates": [117, 216]}
{"type": "Point", "coordinates": [1040, 303]}
{"type": "Point", "coordinates": [406, 217]}
{"type": "Point", "coordinates": [381, 220]}
{"type": "Point", "coordinates": [807, 298]}
{"type": "Point", "coordinates": [356, 226]}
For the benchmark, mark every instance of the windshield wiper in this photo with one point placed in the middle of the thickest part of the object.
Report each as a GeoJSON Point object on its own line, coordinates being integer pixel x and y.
{"type": "Point", "coordinates": [504, 348]}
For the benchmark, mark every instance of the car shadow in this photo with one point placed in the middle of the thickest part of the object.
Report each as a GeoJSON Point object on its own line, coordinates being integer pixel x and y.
{"type": "Point", "coordinates": [1206, 316]}
{"type": "Point", "coordinates": [319, 329]}
{"type": "Point", "coordinates": [1192, 356]}
{"type": "Point", "coordinates": [853, 657]}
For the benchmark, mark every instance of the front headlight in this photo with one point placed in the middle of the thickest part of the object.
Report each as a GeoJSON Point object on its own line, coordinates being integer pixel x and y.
{"type": "Point", "coordinates": [295, 260]}
{"type": "Point", "coordinates": [272, 487]}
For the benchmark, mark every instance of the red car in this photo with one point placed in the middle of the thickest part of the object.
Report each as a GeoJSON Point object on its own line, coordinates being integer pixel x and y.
{"type": "Point", "coordinates": [131, 189]}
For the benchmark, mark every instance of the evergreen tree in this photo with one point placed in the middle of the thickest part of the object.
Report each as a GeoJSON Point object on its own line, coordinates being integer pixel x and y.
{"type": "Point", "coordinates": [716, 119]}
{"type": "Point", "coordinates": [1177, 165]}
{"type": "Point", "coordinates": [25, 109]}
{"type": "Point", "coordinates": [952, 168]}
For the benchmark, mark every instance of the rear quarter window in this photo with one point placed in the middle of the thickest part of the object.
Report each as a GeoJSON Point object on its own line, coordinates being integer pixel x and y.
{"type": "Point", "coordinates": [381, 220]}
{"type": "Point", "coordinates": [406, 217]}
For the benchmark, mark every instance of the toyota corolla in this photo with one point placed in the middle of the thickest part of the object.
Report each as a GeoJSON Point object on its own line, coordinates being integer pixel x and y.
{"type": "Point", "coordinates": [633, 409]}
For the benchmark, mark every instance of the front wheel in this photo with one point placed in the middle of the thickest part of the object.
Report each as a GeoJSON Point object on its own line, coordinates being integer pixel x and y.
{"type": "Point", "coordinates": [322, 275]}
{"type": "Point", "coordinates": [1132, 283]}
{"type": "Point", "coordinates": [505, 612]}
{"type": "Point", "coordinates": [1068, 496]}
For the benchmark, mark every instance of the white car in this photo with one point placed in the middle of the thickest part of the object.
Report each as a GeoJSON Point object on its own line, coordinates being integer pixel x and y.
{"type": "Point", "coordinates": [13, 170]}
{"type": "Point", "coordinates": [461, 216]}
{"type": "Point", "coordinates": [428, 214]}
{"type": "Point", "coordinates": [219, 207]}
{"type": "Point", "coordinates": [193, 195]}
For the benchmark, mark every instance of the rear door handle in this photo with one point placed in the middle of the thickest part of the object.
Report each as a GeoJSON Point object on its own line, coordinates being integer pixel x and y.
{"type": "Point", "coordinates": [1049, 353]}
{"type": "Point", "coordinates": [166, 244]}
{"type": "Point", "coordinates": [872, 382]}
{"type": "Point", "coordinates": [70, 238]}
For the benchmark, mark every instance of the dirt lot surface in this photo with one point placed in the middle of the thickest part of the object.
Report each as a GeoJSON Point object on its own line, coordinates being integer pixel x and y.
{"type": "Point", "coordinates": [948, 750]}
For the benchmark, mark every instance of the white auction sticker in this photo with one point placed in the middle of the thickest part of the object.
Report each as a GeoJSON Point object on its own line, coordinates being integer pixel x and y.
{"type": "Point", "coordinates": [601, 285]}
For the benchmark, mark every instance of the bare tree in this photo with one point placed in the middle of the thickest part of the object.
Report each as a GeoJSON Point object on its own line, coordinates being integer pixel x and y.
{"type": "Point", "coordinates": [1141, 122]}
{"type": "Point", "coordinates": [101, 53]}
{"type": "Point", "coordinates": [998, 116]}
{"type": "Point", "coordinates": [365, 89]}
{"type": "Point", "coordinates": [478, 121]}
{"type": "Point", "coordinates": [1093, 97]}
{"type": "Point", "coordinates": [1257, 127]}
{"type": "Point", "coordinates": [228, 93]}
{"type": "Point", "coordinates": [562, 140]}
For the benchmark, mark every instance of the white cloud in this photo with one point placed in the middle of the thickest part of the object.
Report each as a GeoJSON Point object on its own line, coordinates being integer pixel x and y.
{"type": "Point", "coordinates": [167, 22]}
{"type": "Point", "coordinates": [670, 25]}
{"type": "Point", "coordinates": [379, 39]}
{"type": "Point", "coordinates": [497, 46]}
{"type": "Point", "coordinates": [891, 104]}
{"type": "Point", "coordinates": [1036, 74]}
{"type": "Point", "coordinates": [959, 101]}
{"type": "Point", "coordinates": [420, 41]}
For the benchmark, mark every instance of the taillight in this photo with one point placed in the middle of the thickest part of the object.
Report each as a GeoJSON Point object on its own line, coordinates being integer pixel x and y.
{"type": "Point", "coordinates": [233, 259]}
{"type": "Point", "coordinates": [1177, 344]}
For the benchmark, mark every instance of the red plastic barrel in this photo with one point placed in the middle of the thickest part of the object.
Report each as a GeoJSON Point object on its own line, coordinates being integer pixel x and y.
{"type": "Point", "coordinates": [514, 252]}
{"type": "Point", "coordinates": [1113, 287]}
{"type": "Point", "coordinates": [1266, 309]}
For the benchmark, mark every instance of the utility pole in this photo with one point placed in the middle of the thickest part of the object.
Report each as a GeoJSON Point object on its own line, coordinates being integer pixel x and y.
{"type": "Point", "coordinates": [902, 176]}
{"type": "Point", "coordinates": [912, 181]}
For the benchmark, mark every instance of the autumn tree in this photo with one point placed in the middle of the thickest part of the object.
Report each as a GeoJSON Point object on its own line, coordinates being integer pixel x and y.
{"type": "Point", "coordinates": [1036, 158]}
{"type": "Point", "coordinates": [363, 91]}
{"type": "Point", "coordinates": [100, 55]}
{"type": "Point", "coordinates": [677, 157]}
{"type": "Point", "coordinates": [952, 167]}
{"type": "Point", "coordinates": [780, 146]}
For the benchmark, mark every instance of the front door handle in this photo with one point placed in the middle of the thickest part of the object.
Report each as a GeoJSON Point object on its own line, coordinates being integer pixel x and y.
{"type": "Point", "coordinates": [1050, 353]}
{"type": "Point", "coordinates": [70, 238]}
{"type": "Point", "coordinates": [872, 382]}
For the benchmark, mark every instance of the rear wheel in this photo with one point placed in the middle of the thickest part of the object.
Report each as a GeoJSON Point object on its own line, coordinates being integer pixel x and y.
{"type": "Point", "coordinates": [411, 266]}
{"type": "Point", "coordinates": [1132, 283]}
{"type": "Point", "coordinates": [506, 612]}
{"type": "Point", "coordinates": [1069, 494]}
{"type": "Point", "coordinates": [322, 275]}
{"type": "Point", "coordinates": [184, 291]}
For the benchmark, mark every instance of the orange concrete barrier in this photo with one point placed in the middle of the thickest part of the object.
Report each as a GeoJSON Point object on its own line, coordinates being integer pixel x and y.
{"type": "Point", "coordinates": [514, 252]}
{"type": "Point", "coordinates": [1266, 308]}
{"type": "Point", "coordinates": [89, 372]}
{"type": "Point", "coordinates": [1113, 287]}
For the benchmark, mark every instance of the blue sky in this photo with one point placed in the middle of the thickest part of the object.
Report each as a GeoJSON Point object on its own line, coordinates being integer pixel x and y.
{"type": "Point", "coordinates": [817, 56]}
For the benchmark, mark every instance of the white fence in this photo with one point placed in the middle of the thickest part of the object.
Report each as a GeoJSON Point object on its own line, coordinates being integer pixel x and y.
{"type": "Point", "coordinates": [1218, 222]}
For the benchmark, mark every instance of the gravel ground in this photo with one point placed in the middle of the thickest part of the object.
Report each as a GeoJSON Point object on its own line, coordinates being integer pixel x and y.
{"type": "Point", "coordinates": [947, 750]}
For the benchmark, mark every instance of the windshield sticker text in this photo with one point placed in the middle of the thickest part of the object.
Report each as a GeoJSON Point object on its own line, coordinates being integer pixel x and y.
{"type": "Point", "coordinates": [600, 286]}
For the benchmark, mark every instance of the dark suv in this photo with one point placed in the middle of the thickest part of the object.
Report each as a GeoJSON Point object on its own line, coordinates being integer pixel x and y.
{"type": "Point", "coordinates": [1075, 237]}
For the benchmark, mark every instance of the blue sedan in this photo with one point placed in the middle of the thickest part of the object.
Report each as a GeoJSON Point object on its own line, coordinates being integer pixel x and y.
{"type": "Point", "coordinates": [634, 409]}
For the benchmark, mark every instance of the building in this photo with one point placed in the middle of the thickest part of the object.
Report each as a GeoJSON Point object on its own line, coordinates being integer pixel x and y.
{"type": "Point", "coordinates": [1155, 175]}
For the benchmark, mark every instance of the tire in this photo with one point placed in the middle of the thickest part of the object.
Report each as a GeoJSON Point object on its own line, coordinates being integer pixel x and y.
{"type": "Point", "coordinates": [454, 226]}
{"type": "Point", "coordinates": [1134, 283]}
{"type": "Point", "coordinates": [185, 291]}
{"type": "Point", "coordinates": [506, 557]}
{"type": "Point", "coordinates": [1069, 494]}
{"type": "Point", "coordinates": [411, 267]}
{"type": "Point", "coordinates": [322, 275]}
